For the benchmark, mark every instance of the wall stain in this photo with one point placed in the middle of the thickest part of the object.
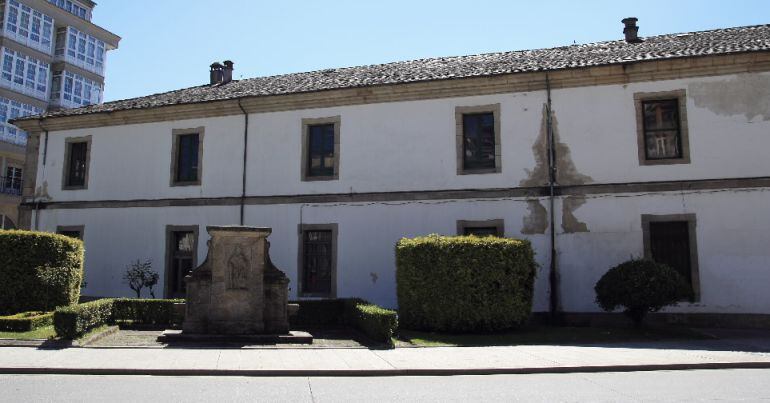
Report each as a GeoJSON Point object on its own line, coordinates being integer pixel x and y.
{"type": "Point", "coordinates": [41, 193]}
{"type": "Point", "coordinates": [746, 94]}
{"type": "Point", "coordinates": [569, 223]}
{"type": "Point", "coordinates": [566, 172]}
{"type": "Point", "coordinates": [536, 222]}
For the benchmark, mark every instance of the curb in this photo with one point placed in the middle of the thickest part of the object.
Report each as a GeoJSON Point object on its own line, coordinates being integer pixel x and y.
{"type": "Point", "coordinates": [381, 372]}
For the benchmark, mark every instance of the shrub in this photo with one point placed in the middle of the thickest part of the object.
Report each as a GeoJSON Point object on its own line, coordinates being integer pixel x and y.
{"type": "Point", "coordinates": [640, 286]}
{"type": "Point", "coordinates": [73, 321]}
{"type": "Point", "coordinates": [324, 312]}
{"type": "Point", "coordinates": [26, 321]}
{"type": "Point", "coordinates": [464, 283]}
{"type": "Point", "coordinates": [40, 271]}
{"type": "Point", "coordinates": [377, 323]}
{"type": "Point", "coordinates": [145, 311]}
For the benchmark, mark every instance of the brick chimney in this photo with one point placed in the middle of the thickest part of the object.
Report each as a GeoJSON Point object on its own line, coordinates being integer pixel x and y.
{"type": "Point", "coordinates": [216, 73]}
{"type": "Point", "coordinates": [631, 30]}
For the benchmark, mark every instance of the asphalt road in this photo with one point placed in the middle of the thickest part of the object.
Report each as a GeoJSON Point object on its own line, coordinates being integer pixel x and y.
{"type": "Point", "coordinates": [729, 385]}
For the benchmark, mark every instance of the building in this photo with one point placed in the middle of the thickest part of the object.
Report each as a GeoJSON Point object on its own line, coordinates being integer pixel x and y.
{"type": "Point", "coordinates": [53, 57]}
{"type": "Point", "coordinates": [597, 153]}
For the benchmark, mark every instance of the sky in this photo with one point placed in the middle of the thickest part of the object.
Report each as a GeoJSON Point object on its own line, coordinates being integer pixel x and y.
{"type": "Point", "coordinates": [169, 44]}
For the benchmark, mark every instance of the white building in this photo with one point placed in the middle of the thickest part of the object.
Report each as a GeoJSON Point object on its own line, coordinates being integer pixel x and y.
{"type": "Point", "coordinates": [659, 149]}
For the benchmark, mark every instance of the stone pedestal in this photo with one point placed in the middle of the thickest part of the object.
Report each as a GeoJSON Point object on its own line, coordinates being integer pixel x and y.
{"type": "Point", "coordinates": [237, 290]}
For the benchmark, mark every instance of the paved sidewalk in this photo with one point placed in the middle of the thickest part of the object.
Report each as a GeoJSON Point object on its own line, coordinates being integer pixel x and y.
{"type": "Point", "coordinates": [364, 362]}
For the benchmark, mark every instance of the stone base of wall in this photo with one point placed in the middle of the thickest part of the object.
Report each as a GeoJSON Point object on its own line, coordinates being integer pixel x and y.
{"type": "Point", "coordinates": [713, 320]}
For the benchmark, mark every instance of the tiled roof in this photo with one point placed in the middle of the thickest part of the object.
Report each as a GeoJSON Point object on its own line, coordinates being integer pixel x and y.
{"type": "Point", "coordinates": [719, 41]}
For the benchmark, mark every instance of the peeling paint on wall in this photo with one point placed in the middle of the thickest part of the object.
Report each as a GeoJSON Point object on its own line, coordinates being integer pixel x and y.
{"type": "Point", "coordinates": [566, 172]}
{"type": "Point", "coordinates": [536, 222]}
{"type": "Point", "coordinates": [569, 223]}
{"type": "Point", "coordinates": [746, 94]}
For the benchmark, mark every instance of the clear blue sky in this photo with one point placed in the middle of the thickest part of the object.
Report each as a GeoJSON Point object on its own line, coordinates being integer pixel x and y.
{"type": "Point", "coordinates": [168, 44]}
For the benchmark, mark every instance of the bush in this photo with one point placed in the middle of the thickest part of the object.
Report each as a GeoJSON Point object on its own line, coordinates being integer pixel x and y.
{"type": "Point", "coordinates": [40, 271]}
{"type": "Point", "coordinates": [26, 321]}
{"type": "Point", "coordinates": [377, 323]}
{"type": "Point", "coordinates": [464, 283]}
{"type": "Point", "coordinates": [145, 311]}
{"type": "Point", "coordinates": [641, 286]}
{"type": "Point", "coordinates": [315, 313]}
{"type": "Point", "coordinates": [73, 321]}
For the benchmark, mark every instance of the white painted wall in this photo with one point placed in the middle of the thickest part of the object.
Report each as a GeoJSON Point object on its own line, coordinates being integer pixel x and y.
{"type": "Point", "coordinates": [407, 146]}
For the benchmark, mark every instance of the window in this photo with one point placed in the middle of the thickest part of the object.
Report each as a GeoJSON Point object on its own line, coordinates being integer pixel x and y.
{"type": "Point", "coordinates": [478, 139]}
{"type": "Point", "coordinates": [73, 8]}
{"type": "Point", "coordinates": [481, 228]}
{"type": "Point", "coordinates": [11, 110]}
{"type": "Point", "coordinates": [76, 160]}
{"type": "Point", "coordinates": [187, 157]}
{"type": "Point", "coordinates": [71, 231]}
{"type": "Point", "coordinates": [24, 74]}
{"type": "Point", "coordinates": [80, 49]}
{"type": "Point", "coordinates": [320, 148]}
{"type": "Point", "coordinates": [73, 90]}
{"type": "Point", "coordinates": [181, 252]}
{"type": "Point", "coordinates": [12, 182]}
{"type": "Point", "coordinates": [671, 240]}
{"type": "Point", "coordinates": [29, 27]}
{"type": "Point", "coordinates": [662, 128]}
{"type": "Point", "coordinates": [318, 260]}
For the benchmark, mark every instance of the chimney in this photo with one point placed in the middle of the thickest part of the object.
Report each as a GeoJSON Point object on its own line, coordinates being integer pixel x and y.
{"type": "Point", "coordinates": [631, 30]}
{"type": "Point", "coordinates": [216, 73]}
{"type": "Point", "coordinates": [227, 72]}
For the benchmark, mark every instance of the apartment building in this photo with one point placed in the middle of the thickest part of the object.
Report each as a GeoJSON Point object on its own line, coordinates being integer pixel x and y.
{"type": "Point", "coordinates": [53, 57]}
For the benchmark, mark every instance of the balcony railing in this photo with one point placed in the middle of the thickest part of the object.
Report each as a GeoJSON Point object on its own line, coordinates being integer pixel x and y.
{"type": "Point", "coordinates": [10, 186]}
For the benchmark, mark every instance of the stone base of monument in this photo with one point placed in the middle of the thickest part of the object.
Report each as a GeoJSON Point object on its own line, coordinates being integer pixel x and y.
{"type": "Point", "coordinates": [293, 337]}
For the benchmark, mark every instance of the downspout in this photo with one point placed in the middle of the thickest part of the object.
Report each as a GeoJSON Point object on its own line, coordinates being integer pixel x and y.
{"type": "Point", "coordinates": [245, 155]}
{"type": "Point", "coordinates": [553, 274]}
{"type": "Point", "coordinates": [45, 156]}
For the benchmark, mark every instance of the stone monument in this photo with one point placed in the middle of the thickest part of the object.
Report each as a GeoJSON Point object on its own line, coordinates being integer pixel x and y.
{"type": "Point", "coordinates": [237, 291]}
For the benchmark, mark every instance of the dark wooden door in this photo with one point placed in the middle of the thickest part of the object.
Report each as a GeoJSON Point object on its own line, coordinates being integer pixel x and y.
{"type": "Point", "coordinates": [670, 245]}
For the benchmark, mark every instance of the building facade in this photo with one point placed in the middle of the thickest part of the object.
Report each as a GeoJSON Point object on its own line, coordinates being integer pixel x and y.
{"type": "Point", "coordinates": [595, 153]}
{"type": "Point", "coordinates": [53, 57]}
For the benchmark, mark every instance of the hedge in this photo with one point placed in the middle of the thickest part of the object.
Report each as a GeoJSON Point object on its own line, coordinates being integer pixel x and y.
{"type": "Point", "coordinates": [74, 321]}
{"type": "Point", "coordinates": [71, 322]}
{"type": "Point", "coordinates": [26, 321]}
{"type": "Point", "coordinates": [464, 283]}
{"type": "Point", "coordinates": [40, 271]}
{"type": "Point", "coordinates": [145, 311]}
{"type": "Point", "coordinates": [378, 323]}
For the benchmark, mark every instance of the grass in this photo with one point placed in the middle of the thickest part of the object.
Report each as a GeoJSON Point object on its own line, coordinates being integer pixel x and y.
{"type": "Point", "coordinates": [547, 335]}
{"type": "Point", "coordinates": [46, 332]}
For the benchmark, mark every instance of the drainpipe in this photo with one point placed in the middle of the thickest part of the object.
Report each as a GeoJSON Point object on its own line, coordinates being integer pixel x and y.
{"type": "Point", "coordinates": [36, 200]}
{"type": "Point", "coordinates": [245, 155]}
{"type": "Point", "coordinates": [553, 274]}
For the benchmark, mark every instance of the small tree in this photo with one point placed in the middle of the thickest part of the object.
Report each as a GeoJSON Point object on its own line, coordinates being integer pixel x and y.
{"type": "Point", "coordinates": [641, 286]}
{"type": "Point", "coordinates": [140, 275]}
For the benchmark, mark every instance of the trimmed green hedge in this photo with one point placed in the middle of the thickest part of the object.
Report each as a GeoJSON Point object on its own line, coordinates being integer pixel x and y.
{"type": "Point", "coordinates": [40, 271]}
{"type": "Point", "coordinates": [317, 313]}
{"type": "Point", "coordinates": [464, 283]}
{"type": "Point", "coordinates": [73, 321]}
{"type": "Point", "coordinates": [145, 311]}
{"type": "Point", "coordinates": [378, 323]}
{"type": "Point", "coordinates": [26, 321]}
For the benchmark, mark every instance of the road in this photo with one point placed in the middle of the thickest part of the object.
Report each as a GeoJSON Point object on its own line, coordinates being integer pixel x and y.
{"type": "Point", "coordinates": [730, 385]}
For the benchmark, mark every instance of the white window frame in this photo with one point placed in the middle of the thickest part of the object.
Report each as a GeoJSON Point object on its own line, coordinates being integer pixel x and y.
{"type": "Point", "coordinates": [28, 26]}
{"type": "Point", "coordinates": [24, 74]}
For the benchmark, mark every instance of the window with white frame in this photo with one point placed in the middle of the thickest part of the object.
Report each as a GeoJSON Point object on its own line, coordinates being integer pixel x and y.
{"type": "Point", "coordinates": [73, 8]}
{"type": "Point", "coordinates": [28, 26]}
{"type": "Point", "coordinates": [25, 74]}
{"type": "Point", "coordinates": [80, 49]}
{"type": "Point", "coordinates": [10, 109]}
{"type": "Point", "coordinates": [72, 90]}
